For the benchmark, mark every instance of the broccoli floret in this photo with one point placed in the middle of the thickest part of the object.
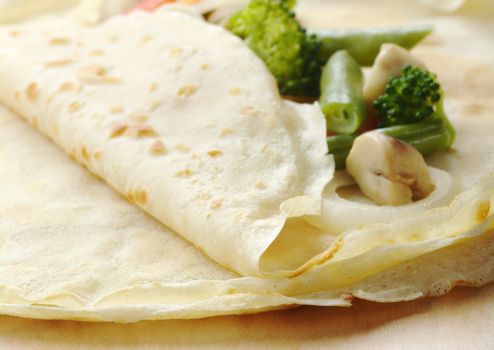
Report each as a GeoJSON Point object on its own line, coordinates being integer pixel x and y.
{"type": "Point", "coordinates": [414, 97]}
{"type": "Point", "coordinates": [408, 99]}
{"type": "Point", "coordinates": [270, 29]}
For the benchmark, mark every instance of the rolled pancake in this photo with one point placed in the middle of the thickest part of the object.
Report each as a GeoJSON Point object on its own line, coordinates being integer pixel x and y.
{"type": "Point", "coordinates": [81, 287]}
{"type": "Point", "coordinates": [127, 100]}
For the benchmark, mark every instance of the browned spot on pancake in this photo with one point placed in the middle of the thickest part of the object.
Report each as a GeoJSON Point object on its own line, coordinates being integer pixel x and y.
{"type": "Point", "coordinates": [32, 92]}
{"type": "Point", "coordinates": [215, 153]}
{"type": "Point", "coordinates": [95, 73]}
{"type": "Point", "coordinates": [175, 52]}
{"type": "Point", "coordinates": [225, 132]}
{"type": "Point", "coordinates": [462, 283]}
{"type": "Point", "coordinates": [140, 197]}
{"type": "Point", "coordinates": [157, 148]}
{"type": "Point", "coordinates": [73, 155]}
{"type": "Point", "coordinates": [266, 149]}
{"type": "Point", "coordinates": [140, 131]}
{"type": "Point", "coordinates": [216, 203]}
{"type": "Point", "coordinates": [59, 41]}
{"type": "Point", "coordinates": [97, 155]}
{"type": "Point", "coordinates": [235, 91]}
{"type": "Point", "coordinates": [117, 109]}
{"type": "Point", "coordinates": [67, 86]}
{"type": "Point", "coordinates": [85, 154]}
{"type": "Point", "coordinates": [91, 71]}
{"type": "Point", "coordinates": [204, 66]}
{"type": "Point", "coordinates": [474, 108]}
{"type": "Point", "coordinates": [154, 104]}
{"type": "Point", "coordinates": [59, 63]}
{"type": "Point", "coordinates": [153, 87]}
{"type": "Point", "coordinates": [249, 110]}
{"type": "Point", "coordinates": [184, 173]}
{"type": "Point", "coordinates": [140, 118]}
{"type": "Point", "coordinates": [144, 40]}
{"type": "Point", "coordinates": [259, 185]}
{"type": "Point", "coordinates": [482, 211]}
{"type": "Point", "coordinates": [186, 91]}
{"type": "Point", "coordinates": [74, 106]}
{"type": "Point", "coordinates": [205, 196]}
{"type": "Point", "coordinates": [118, 130]}
{"type": "Point", "coordinates": [96, 53]}
{"type": "Point", "coordinates": [182, 148]}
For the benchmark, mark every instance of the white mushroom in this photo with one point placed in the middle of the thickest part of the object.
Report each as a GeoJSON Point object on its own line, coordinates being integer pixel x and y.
{"type": "Point", "coordinates": [389, 63]}
{"type": "Point", "coordinates": [387, 170]}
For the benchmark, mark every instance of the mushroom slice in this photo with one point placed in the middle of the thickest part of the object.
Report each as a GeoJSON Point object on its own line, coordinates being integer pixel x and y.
{"type": "Point", "coordinates": [387, 170]}
{"type": "Point", "coordinates": [389, 63]}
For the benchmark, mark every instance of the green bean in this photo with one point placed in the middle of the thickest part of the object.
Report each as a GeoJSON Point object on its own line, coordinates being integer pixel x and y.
{"type": "Point", "coordinates": [364, 44]}
{"type": "Point", "coordinates": [427, 137]}
{"type": "Point", "coordinates": [341, 100]}
{"type": "Point", "coordinates": [339, 146]}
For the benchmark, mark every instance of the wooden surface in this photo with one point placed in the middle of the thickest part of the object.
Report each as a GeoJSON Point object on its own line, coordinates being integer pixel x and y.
{"type": "Point", "coordinates": [463, 319]}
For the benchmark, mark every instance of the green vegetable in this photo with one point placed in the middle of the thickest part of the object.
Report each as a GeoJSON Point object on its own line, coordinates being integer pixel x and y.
{"type": "Point", "coordinates": [364, 44]}
{"type": "Point", "coordinates": [339, 146]}
{"type": "Point", "coordinates": [342, 101]}
{"type": "Point", "coordinates": [270, 29]}
{"type": "Point", "coordinates": [427, 137]}
{"type": "Point", "coordinates": [294, 57]}
{"type": "Point", "coordinates": [412, 108]}
{"type": "Point", "coordinates": [413, 97]}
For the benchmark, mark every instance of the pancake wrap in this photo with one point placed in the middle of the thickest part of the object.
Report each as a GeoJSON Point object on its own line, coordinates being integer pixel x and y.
{"type": "Point", "coordinates": [127, 99]}
{"type": "Point", "coordinates": [186, 124]}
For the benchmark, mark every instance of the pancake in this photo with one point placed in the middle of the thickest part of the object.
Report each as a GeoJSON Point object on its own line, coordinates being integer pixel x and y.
{"type": "Point", "coordinates": [194, 132]}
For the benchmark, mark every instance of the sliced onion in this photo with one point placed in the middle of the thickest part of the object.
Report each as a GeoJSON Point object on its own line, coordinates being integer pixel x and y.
{"type": "Point", "coordinates": [340, 214]}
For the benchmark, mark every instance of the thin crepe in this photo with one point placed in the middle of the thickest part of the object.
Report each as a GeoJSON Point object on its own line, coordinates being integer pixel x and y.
{"type": "Point", "coordinates": [85, 290]}
{"type": "Point", "coordinates": [127, 100]}
{"type": "Point", "coordinates": [74, 249]}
